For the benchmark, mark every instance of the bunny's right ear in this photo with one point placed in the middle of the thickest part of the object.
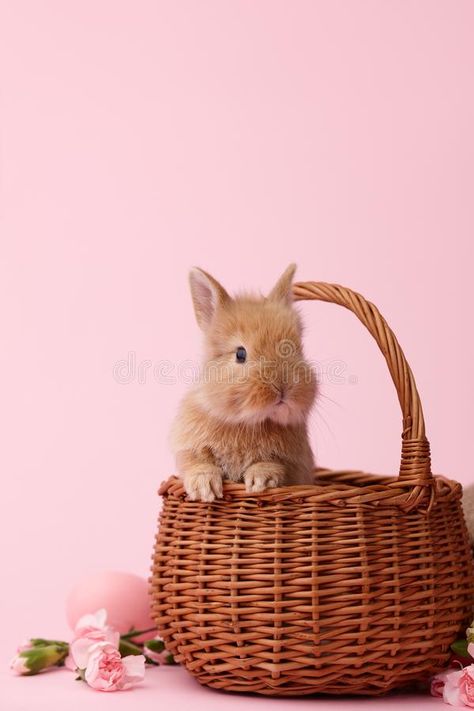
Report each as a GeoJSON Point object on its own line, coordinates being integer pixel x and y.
{"type": "Point", "coordinates": [282, 289]}
{"type": "Point", "coordinates": [207, 295]}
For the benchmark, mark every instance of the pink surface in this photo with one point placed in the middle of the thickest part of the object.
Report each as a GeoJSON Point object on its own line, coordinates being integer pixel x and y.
{"type": "Point", "coordinates": [239, 136]}
{"type": "Point", "coordinates": [172, 688]}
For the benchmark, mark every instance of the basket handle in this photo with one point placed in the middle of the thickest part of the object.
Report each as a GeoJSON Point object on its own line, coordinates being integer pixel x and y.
{"type": "Point", "coordinates": [415, 467]}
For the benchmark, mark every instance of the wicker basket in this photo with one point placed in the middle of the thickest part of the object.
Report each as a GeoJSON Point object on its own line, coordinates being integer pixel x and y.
{"type": "Point", "coordinates": [355, 585]}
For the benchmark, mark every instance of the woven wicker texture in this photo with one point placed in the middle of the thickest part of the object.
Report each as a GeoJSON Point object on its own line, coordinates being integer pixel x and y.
{"type": "Point", "coordinates": [355, 585]}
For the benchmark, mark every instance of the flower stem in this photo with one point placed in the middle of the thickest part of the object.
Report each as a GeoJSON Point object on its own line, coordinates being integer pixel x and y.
{"type": "Point", "coordinates": [137, 633]}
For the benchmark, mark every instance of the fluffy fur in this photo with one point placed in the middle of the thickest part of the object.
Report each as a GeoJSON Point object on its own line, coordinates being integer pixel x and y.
{"type": "Point", "coordinates": [468, 505]}
{"type": "Point", "coordinates": [246, 421]}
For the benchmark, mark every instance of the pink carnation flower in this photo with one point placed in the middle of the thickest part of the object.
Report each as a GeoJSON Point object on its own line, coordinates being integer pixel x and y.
{"type": "Point", "coordinates": [89, 630]}
{"type": "Point", "coordinates": [438, 682]}
{"type": "Point", "coordinates": [157, 657]}
{"type": "Point", "coordinates": [459, 687]}
{"type": "Point", "coordinates": [155, 650]}
{"type": "Point", "coordinates": [106, 670]}
{"type": "Point", "coordinates": [95, 625]}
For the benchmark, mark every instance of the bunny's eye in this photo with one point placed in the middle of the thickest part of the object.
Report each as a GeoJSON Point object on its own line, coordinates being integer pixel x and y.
{"type": "Point", "coordinates": [240, 355]}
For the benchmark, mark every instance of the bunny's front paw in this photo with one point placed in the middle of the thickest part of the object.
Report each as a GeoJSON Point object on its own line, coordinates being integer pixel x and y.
{"type": "Point", "coordinates": [204, 486]}
{"type": "Point", "coordinates": [261, 476]}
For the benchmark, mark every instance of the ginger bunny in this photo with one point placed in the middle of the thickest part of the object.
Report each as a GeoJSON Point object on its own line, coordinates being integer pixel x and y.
{"type": "Point", "coordinates": [245, 419]}
{"type": "Point", "coordinates": [468, 506]}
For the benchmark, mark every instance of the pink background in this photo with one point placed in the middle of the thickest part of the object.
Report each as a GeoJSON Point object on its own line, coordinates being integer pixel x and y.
{"type": "Point", "coordinates": [141, 138]}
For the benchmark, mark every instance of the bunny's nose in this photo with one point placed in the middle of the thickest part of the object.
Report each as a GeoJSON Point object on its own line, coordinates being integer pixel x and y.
{"type": "Point", "coordinates": [281, 392]}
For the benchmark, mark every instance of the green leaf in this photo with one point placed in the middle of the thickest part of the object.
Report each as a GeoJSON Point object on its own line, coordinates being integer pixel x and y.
{"type": "Point", "coordinates": [126, 647]}
{"type": "Point", "coordinates": [459, 647]}
{"type": "Point", "coordinates": [155, 645]}
{"type": "Point", "coordinates": [41, 642]}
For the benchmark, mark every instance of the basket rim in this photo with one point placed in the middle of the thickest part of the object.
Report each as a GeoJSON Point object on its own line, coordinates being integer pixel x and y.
{"type": "Point", "coordinates": [338, 487]}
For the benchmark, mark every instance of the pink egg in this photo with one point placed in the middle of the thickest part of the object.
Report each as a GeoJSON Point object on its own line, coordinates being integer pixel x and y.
{"type": "Point", "coordinates": [124, 596]}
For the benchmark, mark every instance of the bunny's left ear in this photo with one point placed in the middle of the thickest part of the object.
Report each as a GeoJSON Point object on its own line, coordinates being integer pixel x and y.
{"type": "Point", "coordinates": [282, 291]}
{"type": "Point", "coordinates": [207, 296]}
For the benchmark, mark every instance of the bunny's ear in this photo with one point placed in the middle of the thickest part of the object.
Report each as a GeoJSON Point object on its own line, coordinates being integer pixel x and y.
{"type": "Point", "coordinates": [207, 295]}
{"type": "Point", "coordinates": [282, 290]}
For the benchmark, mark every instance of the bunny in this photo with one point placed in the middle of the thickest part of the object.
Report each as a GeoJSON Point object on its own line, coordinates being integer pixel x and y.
{"type": "Point", "coordinates": [245, 419]}
{"type": "Point", "coordinates": [468, 506]}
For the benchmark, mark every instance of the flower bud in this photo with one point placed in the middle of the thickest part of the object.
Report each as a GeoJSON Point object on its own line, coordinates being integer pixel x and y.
{"type": "Point", "coordinates": [35, 659]}
{"type": "Point", "coordinates": [18, 665]}
{"type": "Point", "coordinates": [155, 651]}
